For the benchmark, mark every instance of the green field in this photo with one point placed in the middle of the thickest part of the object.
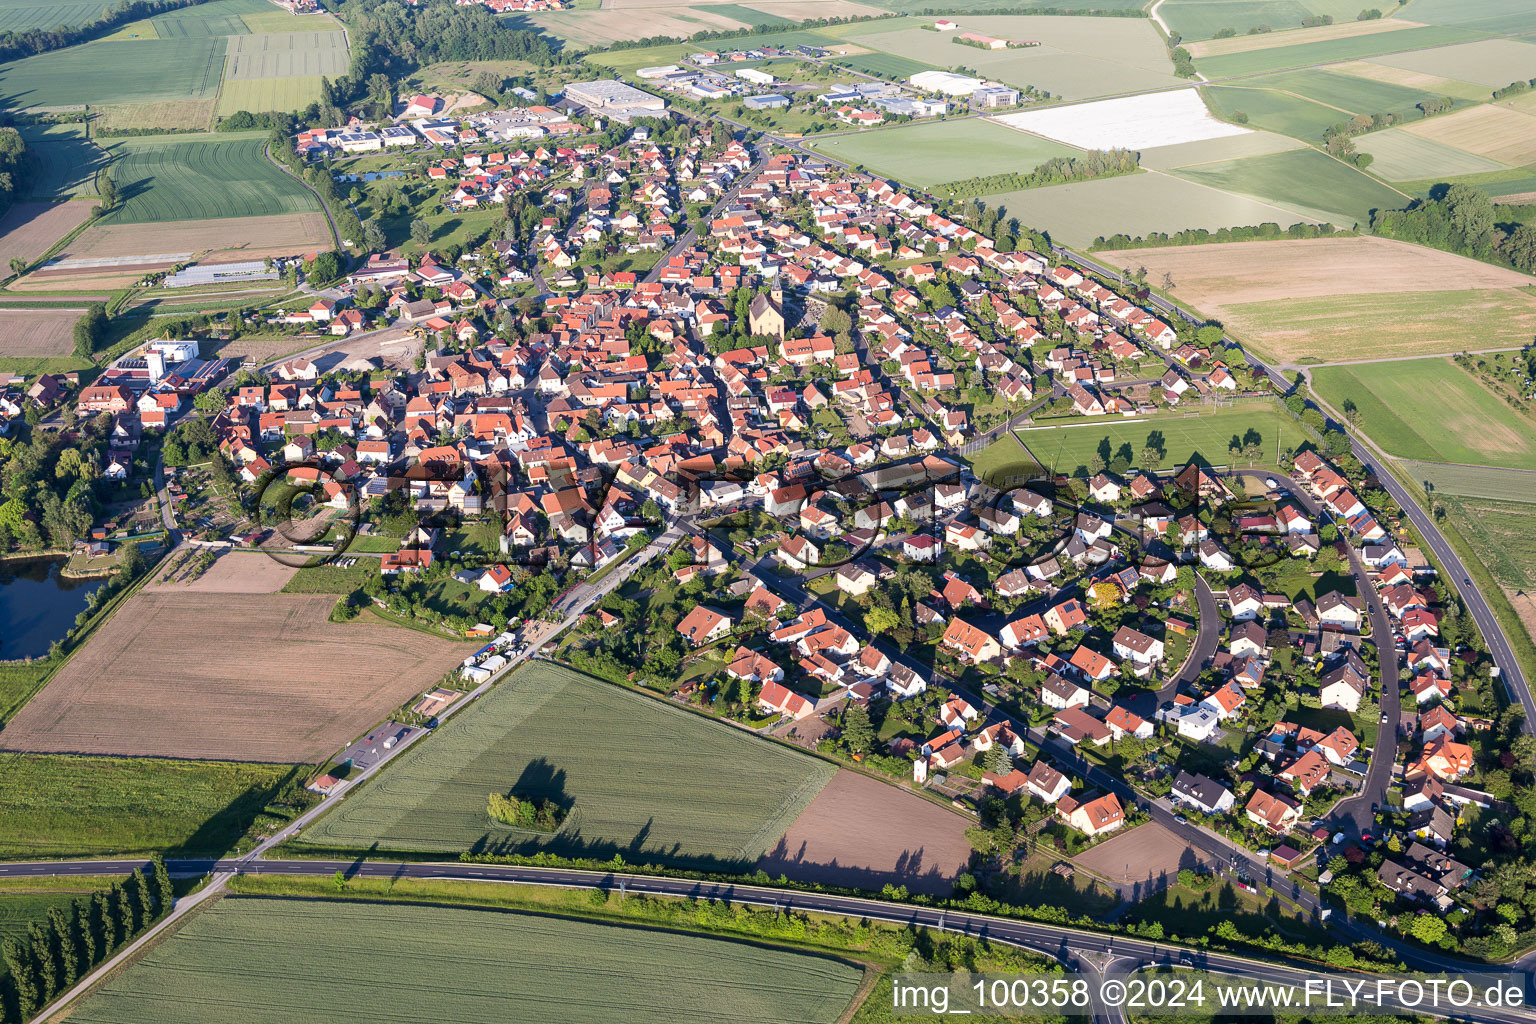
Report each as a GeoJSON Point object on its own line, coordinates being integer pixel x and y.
{"type": "Point", "coordinates": [1137, 204]}
{"type": "Point", "coordinates": [1023, 6]}
{"type": "Point", "coordinates": [1491, 62]}
{"type": "Point", "coordinates": [1289, 115]}
{"type": "Point", "coordinates": [192, 177]}
{"type": "Point", "coordinates": [61, 806]}
{"type": "Point", "coordinates": [64, 161]}
{"type": "Point", "coordinates": [1473, 481]}
{"type": "Point", "coordinates": [287, 55]}
{"type": "Point", "coordinates": [937, 151]}
{"type": "Point", "coordinates": [1301, 55]}
{"type": "Point", "coordinates": [1347, 92]}
{"type": "Point", "coordinates": [641, 777]}
{"type": "Point", "coordinates": [884, 65]}
{"type": "Point", "coordinates": [281, 960]}
{"type": "Point", "coordinates": [21, 15]}
{"type": "Point", "coordinates": [1402, 156]}
{"type": "Point", "coordinates": [260, 94]}
{"type": "Point", "coordinates": [1204, 435]}
{"type": "Point", "coordinates": [1503, 533]}
{"type": "Point", "coordinates": [25, 900]}
{"type": "Point", "coordinates": [1502, 16]}
{"type": "Point", "coordinates": [1003, 461]}
{"type": "Point", "coordinates": [752, 16]}
{"type": "Point", "coordinates": [1432, 410]}
{"type": "Point", "coordinates": [116, 72]}
{"type": "Point", "coordinates": [1305, 180]}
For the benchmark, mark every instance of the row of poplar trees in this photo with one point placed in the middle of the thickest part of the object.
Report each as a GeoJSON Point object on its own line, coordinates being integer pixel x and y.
{"type": "Point", "coordinates": [63, 948]}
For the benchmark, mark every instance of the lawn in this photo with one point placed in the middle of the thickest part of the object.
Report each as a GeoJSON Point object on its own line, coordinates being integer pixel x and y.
{"type": "Point", "coordinates": [280, 960]}
{"type": "Point", "coordinates": [640, 777]}
{"type": "Point", "coordinates": [1068, 447]}
{"type": "Point", "coordinates": [133, 71]}
{"type": "Point", "coordinates": [1003, 460]}
{"type": "Point", "coordinates": [58, 806]}
{"type": "Point", "coordinates": [196, 177]}
{"type": "Point", "coordinates": [1433, 410]}
{"type": "Point", "coordinates": [1278, 58]}
{"type": "Point", "coordinates": [1305, 180]}
{"type": "Point", "coordinates": [938, 151]}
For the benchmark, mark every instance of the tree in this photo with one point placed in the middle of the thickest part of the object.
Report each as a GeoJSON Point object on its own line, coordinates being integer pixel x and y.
{"type": "Point", "coordinates": [421, 231]}
{"type": "Point", "coordinates": [1428, 929]}
{"type": "Point", "coordinates": [123, 900]}
{"type": "Point", "coordinates": [858, 734]}
{"type": "Point", "coordinates": [998, 760]}
{"type": "Point", "coordinates": [881, 619]}
{"type": "Point", "coordinates": [69, 946]}
{"type": "Point", "coordinates": [146, 898]}
{"type": "Point", "coordinates": [45, 954]}
{"type": "Point", "coordinates": [373, 236]}
{"type": "Point", "coordinates": [23, 977]}
{"type": "Point", "coordinates": [89, 329]}
{"type": "Point", "coordinates": [1351, 411]}
{"type": "Point", "coordinates": [108, 189]}
{"type": "Point", "coordinates": [1209, 335]}
{"type": "Point", "coordinates": [86, 932]}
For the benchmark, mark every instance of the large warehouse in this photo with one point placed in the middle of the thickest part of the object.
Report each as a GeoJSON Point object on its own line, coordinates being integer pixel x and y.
{"type": "Point", "coordinates": [614, 99]}
{"type": "Point", "coordinates": [946, 82]}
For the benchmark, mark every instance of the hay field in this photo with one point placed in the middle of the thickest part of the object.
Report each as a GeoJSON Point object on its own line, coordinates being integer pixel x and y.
{"type": "Point", "coordinates": [1324, 329]}
{"type": "Point", "coordinates": [246, 237]}
{"type": "Point", "coordinates": [1496, 132]}
{"type": "Point", "coordinates": [1431, 410]}
{"type": "Point", "coordinates": [288, 55]}
{"type": "Point", "coordinates": [201, 675]}
{"type": "Point", "coordinates": [30, 229]}
{"type": "Point", "coordinates": [938, 151]}
{"type": "Point", "coordinates": [1293, 36]}
{"type": "Point", "coordinates": [640, 776]}
{"type": "Point", "coordinates": [1474, 481]}
{"type": "Point", "coordinates": [267, 960]}
{"type": "Point", "coordinates": [864, 833]}
{"type": "Point", "coordinates": [166, 114]}
{"type": "Point", "coordinates": [198, 177]}
{"type": "Point", "coordinates": [261, 94]}
{"type": "Point", "coordinates": [38, 332]}
{"type": "Point", "coordinates": [1398, 155]}
{"type": "Point", "coordinates": [1214, 278]}
{"type": "Point", "coordinates": [1137, 204]}
{"type": "Point", "coordinates": [1490, 62]}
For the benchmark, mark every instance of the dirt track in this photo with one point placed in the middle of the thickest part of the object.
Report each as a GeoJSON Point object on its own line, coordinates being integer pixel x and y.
{"type": "Point", "coordinates": [862, 832]}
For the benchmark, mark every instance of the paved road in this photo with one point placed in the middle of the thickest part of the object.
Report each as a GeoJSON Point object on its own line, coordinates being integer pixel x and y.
{"type": "Point", "coordinates": [1080, 949]}
{"type": "Point", "coordinates": [1207, 639]}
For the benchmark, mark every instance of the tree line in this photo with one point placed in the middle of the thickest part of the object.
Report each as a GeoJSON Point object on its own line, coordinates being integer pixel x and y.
{"type": "Point", "coordinates": [1097, 163]}
{"type": "Point", "coordinates": [13, 151]}
{"type": "Point", "coordinates": [1464, 220]}
{"type": "Point", "coordinates": [1268, 231]}
{"type": "Point", "coordinates": [68, 944]}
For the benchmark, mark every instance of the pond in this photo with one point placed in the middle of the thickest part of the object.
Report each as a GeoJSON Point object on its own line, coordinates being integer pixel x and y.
{"type": "Point", "coordinates": [38, 605]}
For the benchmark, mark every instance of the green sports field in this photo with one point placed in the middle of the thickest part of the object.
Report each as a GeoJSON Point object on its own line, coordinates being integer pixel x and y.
{"type": "Point", "coordinates": [57, 806]}
{"type": "Point", "coordinates": [1202, 434]}
{"type": "Point", "coordinates": [193, 177]}
{"type": "Point", "coordinates": [641, 777]}
{"type": "Point", "coordinates": [116, 72]}
{"type": "Point", "coordinates": [936, 151]}
{"type": "Point", "coordinates": [281, 960]}
{"type": "Point", "coordinates": [1433, 410]}
{"type": "Point", "coordinates": [1279, 58]}
{"type": "Point", "coordinates": [1304, 180]}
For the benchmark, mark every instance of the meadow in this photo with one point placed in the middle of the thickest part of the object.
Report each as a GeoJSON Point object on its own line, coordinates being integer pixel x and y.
{"type": "Point", "coordinates": [938, 151]}
{"type": "Point", "coordinates": [1304, 180]}
{"type": "Point", "coordinates": [1203, 434]}
{"type": "Point", "coordinates": [165, 115]}
{"type": "Point", "coordinates": [1503, 533]}
{"type": "Point", "coordinates": [1136, 204]}
{"type": "Point", "coordinates": [1472, 481]}
{"type": "Point", "coordinates": [1321, 328]}
{"type": "Point", "coordinates": [195, 177]}
{"type": "Point", "coordinates": [60, 806]}
{"type": "Point", "coordinates": [278, 960]}
{"type": "Point", "coordinates": [1432, 410]}
{"type": "Point", "coordinates": [1281, 57]}
{"type": "Point", "coordinates": [116, 72]}
{"type": "Point", "coordinates": [640, 777]}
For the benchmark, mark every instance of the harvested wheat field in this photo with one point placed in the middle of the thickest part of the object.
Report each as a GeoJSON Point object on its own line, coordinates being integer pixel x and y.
{"type": "Point", "coordinates": [1495, 132]}
{"type": "Point", "coordinates": [29, 229]}
{"type": "Point", "coordinates": [237, 237]}
{"type": "Point", "coordinates": [1213, 277]}
{"type": "Point", "coordinates": [37, 332]}
{"type": "Point", "coordinates": [1295, 37]}
{"type": "Point", "coordinates": [234, 677]}
{"type": "Point", "coordinates": [235, 572]}
{"type": "Point", "coordinates": [863, 833]}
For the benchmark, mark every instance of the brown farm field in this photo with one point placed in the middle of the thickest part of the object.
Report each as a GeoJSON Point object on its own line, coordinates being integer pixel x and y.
{"type": "Point", "coordinates": [1143, 860]}
{"type": "Point", "coordinates": [29, 229]}
{"type": "Point", "coordinates": [864, 833]}
{"type": "Point", "coordinates": [232, 237]}
{"type": "Point", "coordinates": [37, 332]}
{"type": "Point", "coordinates": [237, 572]}
{"type": "Point", "coordinates": [228, 676]}
{"type": "Point", "coordinates": [1493, 131]}
{"type": "Point", "coordinates": [1332, 299]}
